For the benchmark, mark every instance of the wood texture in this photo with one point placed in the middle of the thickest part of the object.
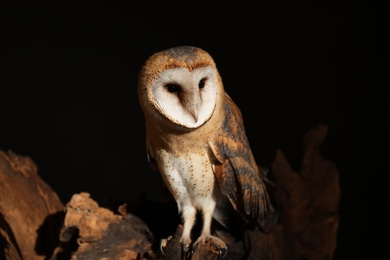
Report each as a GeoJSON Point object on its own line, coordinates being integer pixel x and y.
{"type": "Point", "coordinates": [30, 211]}
{"type": "Point", "coordinates": [99, 233]}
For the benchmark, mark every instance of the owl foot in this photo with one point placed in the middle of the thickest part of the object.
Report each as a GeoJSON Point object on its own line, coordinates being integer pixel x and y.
{"type": "Point", "coordinates": [163, 243]}
{"type": "Point", "coordinates": [184, 251]}
{"type": "Point", "coordinates": [216, 244]}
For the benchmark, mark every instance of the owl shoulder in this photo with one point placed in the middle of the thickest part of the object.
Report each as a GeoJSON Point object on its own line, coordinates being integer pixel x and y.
{"type": "Point", "coordinates": [234, 110]}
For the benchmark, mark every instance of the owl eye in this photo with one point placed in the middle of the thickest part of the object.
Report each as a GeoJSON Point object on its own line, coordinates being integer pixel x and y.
{"type": "Point", "coordinates": [173, 88]}
{"type": "Point", "coordinates": [201, 83]}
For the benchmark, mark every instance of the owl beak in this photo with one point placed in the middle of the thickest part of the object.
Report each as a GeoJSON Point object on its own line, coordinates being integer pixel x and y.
{"type": "Point", "coordinates": [193, 102]}
{"type": "Point", "coordinates": [194, 112]}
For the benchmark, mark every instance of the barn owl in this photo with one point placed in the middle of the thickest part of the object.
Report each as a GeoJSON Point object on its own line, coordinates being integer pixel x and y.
{"type": "Point", "coordinates": [196, 139]}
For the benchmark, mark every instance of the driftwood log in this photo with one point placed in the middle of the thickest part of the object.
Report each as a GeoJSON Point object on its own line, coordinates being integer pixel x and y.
{"type": "Point", "coordinates": [35, 225]}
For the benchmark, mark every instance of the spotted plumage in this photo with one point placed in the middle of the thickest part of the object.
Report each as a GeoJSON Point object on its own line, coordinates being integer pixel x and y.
{"type": "Point", "coordinates": [196, 139]}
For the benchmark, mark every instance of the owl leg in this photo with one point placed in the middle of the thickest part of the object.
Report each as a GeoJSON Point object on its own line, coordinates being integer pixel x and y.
{"type": "Point", "coordinates": [188, 215]}
{"type": "Point", "coordinates": [206, 236]}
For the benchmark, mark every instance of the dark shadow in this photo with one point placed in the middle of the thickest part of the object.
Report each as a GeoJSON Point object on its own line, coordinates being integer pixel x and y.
{"type": "Point", "coordinates": [3, 246]}
{"type": "Point", "coordinates": [48, 234]}
{"type": "Point", "coordinates": [161, 217]}
{"type": "Point", "coordinates": [68, 244]}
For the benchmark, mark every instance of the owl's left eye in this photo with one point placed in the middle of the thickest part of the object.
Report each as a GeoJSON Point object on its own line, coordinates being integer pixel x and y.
{"type": "Point", "coordinates": [202, 83]}
{"type": "Point", "coordinates": [173, 88]}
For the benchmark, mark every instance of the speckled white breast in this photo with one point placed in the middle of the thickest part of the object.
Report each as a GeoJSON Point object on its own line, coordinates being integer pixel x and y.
{"type": "Point", "coordinates": [189, 177]}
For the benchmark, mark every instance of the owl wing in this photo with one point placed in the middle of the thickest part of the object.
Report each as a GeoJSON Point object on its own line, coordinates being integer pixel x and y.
{"type": "Point", "coordinates": [237, 173]}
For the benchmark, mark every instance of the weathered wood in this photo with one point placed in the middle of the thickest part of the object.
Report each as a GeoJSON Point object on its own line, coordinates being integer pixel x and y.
{"type": "Point", "coordinates": [309, 200]}
{"type": "Point", "coordinates": [100, 233]}
{"type": "Point", "coordinates": [30, 211]}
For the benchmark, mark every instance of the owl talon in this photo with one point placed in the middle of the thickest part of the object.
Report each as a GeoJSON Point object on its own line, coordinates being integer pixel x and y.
{"type": "Point", "coordinates": [222, 251]}
{"type": "Point", "coordinates": [184, 251]}
{"type": "Point", "coordinates": [163, 243]}
{"type": "Point", "coordinates": [193, 248]}
{"type": "Point", "coordinates": [217, 245]}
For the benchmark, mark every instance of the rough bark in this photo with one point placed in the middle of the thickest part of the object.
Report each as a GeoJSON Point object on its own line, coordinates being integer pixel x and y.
{"type": "Point", "coordinates": [308, 202]}
{"type": "Point", "coordinates": [98, 233]}
{"type": "Point", "coordinates": [30, 211]}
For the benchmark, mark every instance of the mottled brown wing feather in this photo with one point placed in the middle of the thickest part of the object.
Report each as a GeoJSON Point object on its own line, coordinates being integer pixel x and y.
{"type": "Point", "coordinates": [238, 175]}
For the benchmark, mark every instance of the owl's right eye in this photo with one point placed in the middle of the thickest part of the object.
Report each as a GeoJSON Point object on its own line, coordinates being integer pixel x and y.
{"type": "Point", "coordinates": [173, 88]}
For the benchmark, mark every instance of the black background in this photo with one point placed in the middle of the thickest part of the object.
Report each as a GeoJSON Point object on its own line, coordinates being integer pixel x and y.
{"type": "Point", "coordinates": [68, 92]}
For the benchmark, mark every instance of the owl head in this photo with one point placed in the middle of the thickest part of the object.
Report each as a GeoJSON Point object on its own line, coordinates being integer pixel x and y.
{"type": "Point", "coordinates": [180, 85]}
